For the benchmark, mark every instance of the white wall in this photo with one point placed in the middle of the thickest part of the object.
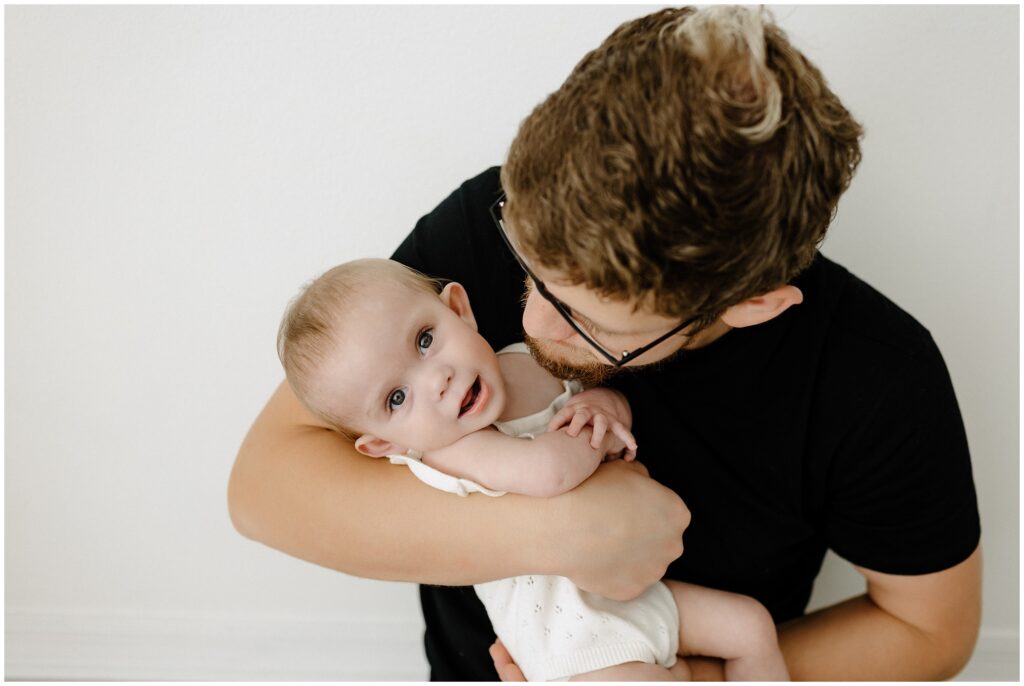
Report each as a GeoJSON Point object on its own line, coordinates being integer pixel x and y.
{"type": "Point", "coordinates": [175, 173]}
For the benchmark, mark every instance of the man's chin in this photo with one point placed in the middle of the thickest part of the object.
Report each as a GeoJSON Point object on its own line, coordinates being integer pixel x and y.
{"type": "Point", "coordinates": [588, 373]}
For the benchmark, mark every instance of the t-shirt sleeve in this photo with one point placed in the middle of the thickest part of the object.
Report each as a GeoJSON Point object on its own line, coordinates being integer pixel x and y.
{"type": "Point", "coordinates": [458, 241]}
{"type": "Point", "coordinates": [901, 494]}
{"type": "Point", "coordinates": [444, 242]}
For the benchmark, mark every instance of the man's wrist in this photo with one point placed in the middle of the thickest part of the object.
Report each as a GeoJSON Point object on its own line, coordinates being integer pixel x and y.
{"type": "Point", "coordinates": [541, 535]}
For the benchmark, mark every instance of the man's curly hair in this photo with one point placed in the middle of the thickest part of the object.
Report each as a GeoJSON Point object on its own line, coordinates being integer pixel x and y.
{"type": "Point", "coordinates": [692, 161]}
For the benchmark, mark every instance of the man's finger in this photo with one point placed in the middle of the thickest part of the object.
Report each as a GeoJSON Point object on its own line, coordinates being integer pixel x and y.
{"type": "Point", "coordinates": [511, 673]}
{"type": "Point", "coordinates": [499, 653]}
{"type": "Point", "coordinates": [507, 669]}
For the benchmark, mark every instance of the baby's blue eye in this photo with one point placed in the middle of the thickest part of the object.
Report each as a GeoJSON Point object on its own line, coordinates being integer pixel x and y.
{"type": "Point", "coordinates": [396, 398]}
{"type": "Point", "coordinates": [425, 339]}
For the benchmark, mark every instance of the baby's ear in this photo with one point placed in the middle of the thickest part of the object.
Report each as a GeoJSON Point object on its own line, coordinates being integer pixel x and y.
{"type": "Point", "coordinates": [456, 298]}
{"type": "Point", "coordinates": [377, 447]}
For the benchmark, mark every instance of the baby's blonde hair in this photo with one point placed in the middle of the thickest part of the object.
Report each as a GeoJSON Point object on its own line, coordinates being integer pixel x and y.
{"type": "Point", "coordinates": [314, 319]}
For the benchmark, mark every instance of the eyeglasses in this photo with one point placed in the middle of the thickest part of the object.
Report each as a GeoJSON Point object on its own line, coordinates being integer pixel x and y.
{"type": "Point", "coordinates": [616, 360]}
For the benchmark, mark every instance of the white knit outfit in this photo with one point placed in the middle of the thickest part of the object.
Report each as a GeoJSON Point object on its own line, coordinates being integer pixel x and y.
{"type": "Point", "coordinates": [552, 629]}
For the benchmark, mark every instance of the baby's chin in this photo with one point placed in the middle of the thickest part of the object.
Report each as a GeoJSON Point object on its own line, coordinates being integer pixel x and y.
{"type": "Point", "coordinates": [589, 372]}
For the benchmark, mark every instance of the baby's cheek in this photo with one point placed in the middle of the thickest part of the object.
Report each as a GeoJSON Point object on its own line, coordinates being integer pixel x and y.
{"type": "Point", "coordinates": [442, 434]}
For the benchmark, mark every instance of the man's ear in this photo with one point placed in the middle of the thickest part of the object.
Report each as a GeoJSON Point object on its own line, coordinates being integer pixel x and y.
{"type": "Point", "coordinates": [377, 447]}
{"type": "Point", "coordinates": [456, 298]}
{"type": "Point", "coordinates": [763, 308]}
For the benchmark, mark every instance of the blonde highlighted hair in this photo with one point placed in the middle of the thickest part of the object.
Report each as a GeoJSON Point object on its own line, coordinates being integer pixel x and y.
{"type": "Point", "coordinates": [316, 318]}
{"type": "Point", "coordinates": [693, 160]}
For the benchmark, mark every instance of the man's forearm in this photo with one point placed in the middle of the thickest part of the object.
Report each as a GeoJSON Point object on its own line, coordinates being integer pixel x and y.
{"type": "Point", "coordinates": [305, 491]}
{"type": "Point", "coordinates": [856, 640]}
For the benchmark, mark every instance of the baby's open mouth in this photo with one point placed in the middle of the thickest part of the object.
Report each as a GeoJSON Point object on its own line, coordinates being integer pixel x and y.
{"type": "Point", "coordinates": [471, 396]}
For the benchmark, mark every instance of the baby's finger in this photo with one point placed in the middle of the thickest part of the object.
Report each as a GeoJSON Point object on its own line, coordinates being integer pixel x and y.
{"type": "Point", "coordinates": [561, 418]}
{"type": "Point", "coordinates": [627, 437]}
{"type": "Point", "coordinates": [600, 429]}
{"type": "Point", "coordinates": [581, 419]}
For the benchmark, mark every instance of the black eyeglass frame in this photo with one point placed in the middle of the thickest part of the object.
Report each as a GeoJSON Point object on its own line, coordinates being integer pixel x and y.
{"type": "Point", "coordinates": [566, 311]}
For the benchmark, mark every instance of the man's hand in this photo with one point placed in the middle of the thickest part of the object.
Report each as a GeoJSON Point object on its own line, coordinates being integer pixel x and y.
{"type": "Point", "coordinates": [685, 669]}
{"type": "Point", "coordinates": [618, 531]}
{"type": "Point", "coordinates": [507, 669]}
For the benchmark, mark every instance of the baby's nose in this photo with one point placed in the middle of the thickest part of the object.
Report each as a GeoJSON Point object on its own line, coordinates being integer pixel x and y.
{"type": "Point", "coordinates": [443, 380]}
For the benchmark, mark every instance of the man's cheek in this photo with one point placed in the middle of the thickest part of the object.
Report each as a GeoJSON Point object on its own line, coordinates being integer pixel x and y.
{"type": "Point", "coordinates": [576, 365]}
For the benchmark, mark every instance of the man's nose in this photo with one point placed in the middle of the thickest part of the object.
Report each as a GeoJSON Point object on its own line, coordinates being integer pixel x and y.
{"type": "Point", "coordinates": [542, 320]}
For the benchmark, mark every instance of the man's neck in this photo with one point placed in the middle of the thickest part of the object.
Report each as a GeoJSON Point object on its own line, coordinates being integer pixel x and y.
{"type": "Point", "coordinates": [708, 335]}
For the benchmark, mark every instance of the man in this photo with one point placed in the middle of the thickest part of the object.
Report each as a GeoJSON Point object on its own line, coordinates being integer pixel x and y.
{"type": "Point", "coordinates": [664, 207]}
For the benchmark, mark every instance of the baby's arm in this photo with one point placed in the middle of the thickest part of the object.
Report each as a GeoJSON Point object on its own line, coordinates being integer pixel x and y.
{"type": "Point", "coordinates": [551, 464]}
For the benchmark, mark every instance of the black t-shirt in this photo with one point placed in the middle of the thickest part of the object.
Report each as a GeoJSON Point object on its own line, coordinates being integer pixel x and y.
{"type": "Point", "coordinates": [833, 425]}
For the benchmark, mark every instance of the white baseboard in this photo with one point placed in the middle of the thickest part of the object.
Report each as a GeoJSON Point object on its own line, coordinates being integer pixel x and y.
{"type": "Point", "coordinates": [108, 646]}
{"type": "Point", "coordinates": [996, 657]}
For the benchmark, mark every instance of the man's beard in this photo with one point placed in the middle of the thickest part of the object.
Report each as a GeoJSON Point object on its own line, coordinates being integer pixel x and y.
{"type": "Point", "coordinates": [590, 373]}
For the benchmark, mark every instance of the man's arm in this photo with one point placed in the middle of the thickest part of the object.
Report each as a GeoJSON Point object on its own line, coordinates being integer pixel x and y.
{"type": "Point", "coordinates": [304, 490]}
{"type": "Point", "coordinates": [920, 628]}
{"type": "Point", "coordinates": [905, 628]}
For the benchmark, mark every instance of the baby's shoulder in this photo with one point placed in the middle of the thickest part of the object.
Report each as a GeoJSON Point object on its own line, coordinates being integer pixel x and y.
{"type": "Point", "coordinates": [529, 387]}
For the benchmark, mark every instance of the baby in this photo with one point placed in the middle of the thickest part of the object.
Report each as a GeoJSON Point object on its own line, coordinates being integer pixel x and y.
{"type": "Point", "coordinates": [390, 360]}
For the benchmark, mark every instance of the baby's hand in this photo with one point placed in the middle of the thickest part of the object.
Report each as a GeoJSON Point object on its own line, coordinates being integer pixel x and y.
{"type": "Point", "coordinates": [580, 414]}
